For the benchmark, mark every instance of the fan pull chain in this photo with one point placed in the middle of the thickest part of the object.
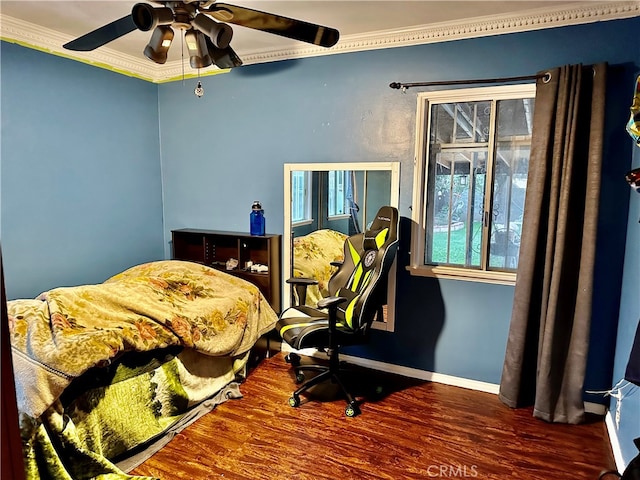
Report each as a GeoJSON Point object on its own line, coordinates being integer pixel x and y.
{"type": "Point", "coordinates": [182, 56]}
{"type": "Point", "coordinates": [199, 91]}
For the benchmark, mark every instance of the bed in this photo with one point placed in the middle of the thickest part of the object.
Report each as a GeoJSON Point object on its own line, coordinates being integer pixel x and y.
{"type": "Point", "coordinates": [312, 257]}
{"type": "Point", "coordinates": [106, 374]}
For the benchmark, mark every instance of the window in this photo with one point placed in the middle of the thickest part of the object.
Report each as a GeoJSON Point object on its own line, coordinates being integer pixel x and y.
{"type": "Point", "coordinates": [300, 197]}
{"type": "Point", "coordinates": [473, 159]}
{"type": "Point", "coordinates": [339, 192]}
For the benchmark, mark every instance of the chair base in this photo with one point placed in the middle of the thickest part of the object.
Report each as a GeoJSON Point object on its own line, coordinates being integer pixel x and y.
{"type": "Point", "coordinates": [330, 372]}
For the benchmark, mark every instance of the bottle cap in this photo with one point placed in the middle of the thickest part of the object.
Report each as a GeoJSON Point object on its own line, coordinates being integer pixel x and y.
{"type": "Point", "coordinates": [256, 205]}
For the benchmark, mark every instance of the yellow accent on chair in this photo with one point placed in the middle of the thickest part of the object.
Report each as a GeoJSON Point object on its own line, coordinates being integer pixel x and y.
{"type": "Point", "coordinates": [357, 294]}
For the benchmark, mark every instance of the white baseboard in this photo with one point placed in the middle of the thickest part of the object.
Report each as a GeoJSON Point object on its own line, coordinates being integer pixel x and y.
{"type": "Point", "coordinates": [423, 374]}
{"type": "Point", "coordinates": [615, 443]}
{"type": "Point", "coordinates": [404, 371]}
{"type": "Point", "coordinates": [595, 408]}
{"type": "Point", "coordinates": [589, 407]}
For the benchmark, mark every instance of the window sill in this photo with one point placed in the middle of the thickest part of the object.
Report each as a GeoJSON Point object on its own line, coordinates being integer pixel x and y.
{"type": "Point", "coordinates": [450, 273]}
{"type": "Point", "coordinates": [302, 223]}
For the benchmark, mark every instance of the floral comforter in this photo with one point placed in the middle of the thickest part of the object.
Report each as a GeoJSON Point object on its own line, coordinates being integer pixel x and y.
{"type": "Point", "coordinates": [312, 257]}
{"type": "Point", "coordinates": [154, 307]}
{"type": "Point", "coordinates": [66, 331]}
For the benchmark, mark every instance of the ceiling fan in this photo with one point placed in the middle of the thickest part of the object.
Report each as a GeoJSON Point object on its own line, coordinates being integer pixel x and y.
{"type": "Point", "coordinates": [206, 35]}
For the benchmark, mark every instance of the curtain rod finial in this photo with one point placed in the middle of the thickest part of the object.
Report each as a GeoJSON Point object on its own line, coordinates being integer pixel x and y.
{"type": "Point", "coordinates": [395, 85]}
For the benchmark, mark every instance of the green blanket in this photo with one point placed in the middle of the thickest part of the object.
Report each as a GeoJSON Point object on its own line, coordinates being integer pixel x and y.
{"type": "Point", "coordinates": [68, 331]}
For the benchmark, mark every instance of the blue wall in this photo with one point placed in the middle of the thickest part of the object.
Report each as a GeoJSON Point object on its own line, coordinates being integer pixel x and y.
{"type": "Point", "coordinates": [339, 108]}
{"type": "Point", "coordinates": [81, 188]}
{"type": "Point", "coordinates": [87, 172]}
{"type": "Point", "coordinates": [627, 325]}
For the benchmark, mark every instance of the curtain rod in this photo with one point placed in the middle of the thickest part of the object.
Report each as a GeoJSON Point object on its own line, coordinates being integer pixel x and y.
{"type": "Point", "coordinates": [405, 86]}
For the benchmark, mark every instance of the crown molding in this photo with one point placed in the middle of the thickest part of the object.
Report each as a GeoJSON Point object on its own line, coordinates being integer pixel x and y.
{"type": "Point", "coordinates": [36, 37]}
{"type": "Point", "coordinates": [537, 19]}
{"type": "Point", "coordinates": [50, 41]}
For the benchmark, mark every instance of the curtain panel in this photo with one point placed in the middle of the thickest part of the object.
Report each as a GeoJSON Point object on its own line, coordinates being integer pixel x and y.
{"type": "Point", "coordinates": [548, 340]}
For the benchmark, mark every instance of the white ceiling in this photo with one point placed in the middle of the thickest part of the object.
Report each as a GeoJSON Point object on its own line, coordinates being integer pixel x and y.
{"type": "Point", "coordinates": [363, 25]}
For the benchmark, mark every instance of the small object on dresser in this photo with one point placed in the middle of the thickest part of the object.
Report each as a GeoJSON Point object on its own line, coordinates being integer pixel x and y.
{"type": "Point", "coordinates": [232, 263]}
{"type": "Point", "coordinates": [256, 219]}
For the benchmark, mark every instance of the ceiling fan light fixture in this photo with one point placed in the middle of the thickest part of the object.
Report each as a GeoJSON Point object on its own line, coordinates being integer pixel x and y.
{"type": "Point", "coordinates": [146, 17]}
{"type": "Point", "coordinates": [204, 23]}
{"type": "Point", "coordinates": [158, 46]}
{"type": "Point", "coordinates": [219, 33]}
{"type": "Point", "coordinates": [198, 53]}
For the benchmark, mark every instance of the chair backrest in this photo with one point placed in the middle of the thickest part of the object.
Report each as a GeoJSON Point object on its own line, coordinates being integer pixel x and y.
{"type": "Point", "coordinates": [362, 277]}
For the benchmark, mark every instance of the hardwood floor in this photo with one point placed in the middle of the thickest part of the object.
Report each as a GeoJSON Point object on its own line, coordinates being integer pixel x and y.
{"type": "Point", "coordinates": [408, 429]}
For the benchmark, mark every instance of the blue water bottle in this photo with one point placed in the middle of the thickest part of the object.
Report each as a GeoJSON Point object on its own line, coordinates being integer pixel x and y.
{"type": "Point", "coordinates": [256, 219]}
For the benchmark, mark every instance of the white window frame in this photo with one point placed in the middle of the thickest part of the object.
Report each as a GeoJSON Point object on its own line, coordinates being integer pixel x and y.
{"type": "Point", "coordinates": [420, 194]}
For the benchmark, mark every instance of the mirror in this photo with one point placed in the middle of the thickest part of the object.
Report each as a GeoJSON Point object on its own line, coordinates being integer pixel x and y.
{"type": "Point", "coordinates": [323, 204]}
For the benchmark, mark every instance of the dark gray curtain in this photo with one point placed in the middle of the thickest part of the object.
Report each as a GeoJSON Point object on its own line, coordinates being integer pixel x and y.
{"type": "Point", "coordinates": [548, 341]}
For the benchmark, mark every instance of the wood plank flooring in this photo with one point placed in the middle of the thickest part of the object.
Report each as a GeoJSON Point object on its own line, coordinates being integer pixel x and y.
{"type": "Point", "coordinates": [408, 429]}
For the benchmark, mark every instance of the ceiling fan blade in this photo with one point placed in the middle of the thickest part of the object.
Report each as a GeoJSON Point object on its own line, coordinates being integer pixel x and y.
{"type": "Point", "coordinates": [223, 57]}
{"type": "Point", "coordinates": [102, 35]}
{"type": "Point", "coordinates": [276, 24]}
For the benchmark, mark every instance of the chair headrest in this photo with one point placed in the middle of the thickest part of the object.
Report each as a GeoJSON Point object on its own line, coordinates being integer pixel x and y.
{"type": "Point", "coordinates": [382, 229]}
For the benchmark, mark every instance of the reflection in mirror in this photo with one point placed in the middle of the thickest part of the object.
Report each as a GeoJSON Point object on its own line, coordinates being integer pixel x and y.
{"type": "Point", "coordinates": [324, 204]}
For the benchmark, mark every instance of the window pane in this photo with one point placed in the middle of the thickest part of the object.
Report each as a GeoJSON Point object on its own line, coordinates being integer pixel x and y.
{"type": "Point", "coordinates": [339, 192]}
{"type": "Point", "coordinates": [458, 144]}
{"type": "Point", "coordinates": [331, 194]}
{"type": "Point", "coordinates": [510, 181]}
{"type": "Point", "coordinates": [455, 236]}
{"type": "Point", "coordinates": [477, 195]}
{"type": "Point", "coordinates": [462, 122]}
{"type": "Point", "coordinates": [299, 196]}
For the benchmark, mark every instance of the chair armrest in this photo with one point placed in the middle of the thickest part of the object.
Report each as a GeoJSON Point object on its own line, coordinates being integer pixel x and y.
{"type": "Point", "coordinates": [300, 285]}
{"type": "Point", "coordinates": [302, 281]}
{"type": "Point", "coordinates": [331, 302]}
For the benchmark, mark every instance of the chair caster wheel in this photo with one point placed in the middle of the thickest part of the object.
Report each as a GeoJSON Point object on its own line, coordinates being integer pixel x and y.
{"type": "Point", "coordinates": [299, 377]}
{"type": "Point", "coordinates": [352, 410]}
{"type": "Point", "coordinates": [294, 401]}
{"type": "Point", "coordinates": [293, 359]}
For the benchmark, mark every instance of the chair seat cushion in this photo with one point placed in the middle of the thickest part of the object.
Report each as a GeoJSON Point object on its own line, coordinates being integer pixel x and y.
{"type": "Point", "coordinates": [303, 327]}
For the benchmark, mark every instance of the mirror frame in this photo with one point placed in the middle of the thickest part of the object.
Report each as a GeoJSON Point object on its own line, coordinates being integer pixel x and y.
{"type": "Point", "coordinates": [394, 168]}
